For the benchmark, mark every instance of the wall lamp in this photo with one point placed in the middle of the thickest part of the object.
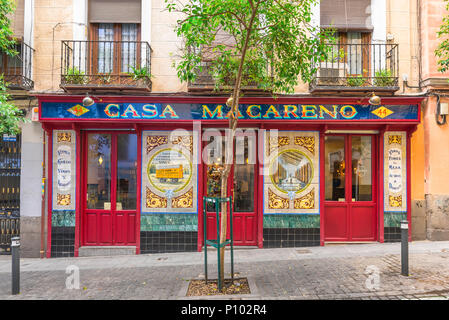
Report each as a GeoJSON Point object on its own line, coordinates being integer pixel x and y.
{"type": "Point", "coordinates": [374, 100]}
{"type": "Point", "coordinates": [405, 83]}
{"type": "Point", "coordinates": [442, 111]}
{"type": "Point", "coordinates": [88, 101]}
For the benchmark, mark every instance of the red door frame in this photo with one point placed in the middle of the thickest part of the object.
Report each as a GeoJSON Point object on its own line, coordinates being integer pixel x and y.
{"type": "Point", "coordinates": [113, 211]}
{"type": "Point", "coordinates": [348, 190]}
{"type": "Point", "coordinates": [210, 215]}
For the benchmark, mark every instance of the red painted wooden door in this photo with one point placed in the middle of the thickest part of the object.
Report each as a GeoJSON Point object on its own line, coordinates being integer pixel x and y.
{"type": "Point", "coordinates": [110, 189]}
{"type": "Point", "coordinates": [350, 188]}
{"type": "Point", "coordinates": [242, 185]}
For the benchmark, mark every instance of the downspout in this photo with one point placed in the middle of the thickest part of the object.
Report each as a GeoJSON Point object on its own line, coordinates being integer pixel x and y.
{"type": "Point", "coordinates": [419, 13]}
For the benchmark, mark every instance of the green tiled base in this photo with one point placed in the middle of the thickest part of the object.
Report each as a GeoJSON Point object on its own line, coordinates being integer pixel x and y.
{"type": "Point", "coordinates": [169, 222]}
{"type": "Point", "coordinates": [63, 218]}
{"type": "Point", "coordinates": [393, 219]}
{"type": "Point", "coordinates": [291, 221]}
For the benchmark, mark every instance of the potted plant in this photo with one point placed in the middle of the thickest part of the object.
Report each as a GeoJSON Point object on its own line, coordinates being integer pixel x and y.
{"type": "Point", "coordinates": [105, 78]}
{"type": "Point", "coordinates": [384, 78]}
{"type": "Point", "coordinates": [355, 80]}
{"type": "Point", "coordinates": [74, 76]}
{"type": "Point", "coordinates": [140, 74]}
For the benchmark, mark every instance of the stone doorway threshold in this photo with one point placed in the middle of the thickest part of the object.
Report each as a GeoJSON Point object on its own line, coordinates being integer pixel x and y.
{"type": "Point", "coordinates": [327, 243]}
{"type": "Point", "coordinates": [95, 251]}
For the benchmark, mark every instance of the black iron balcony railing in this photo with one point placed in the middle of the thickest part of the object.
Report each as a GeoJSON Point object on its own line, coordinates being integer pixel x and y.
{"type": "Point", "coordinates": [358, 67]}
{"type": "Point", "coordinates": [105, 65]}
{"type": "Point", "coordinates": [205, 81]}
{"type": "Point", "coordinates": [17, 69]}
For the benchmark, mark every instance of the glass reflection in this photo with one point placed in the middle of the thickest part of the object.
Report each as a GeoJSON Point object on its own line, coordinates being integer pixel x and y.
{"type": "Point", "coordinates": [335, 168]}
{"type": "Point", "coordinates": [99, 171]}
{"type": "Point", "coordinates": [126, 171]}
{"type": "Point", "coordinates": [361, 168]}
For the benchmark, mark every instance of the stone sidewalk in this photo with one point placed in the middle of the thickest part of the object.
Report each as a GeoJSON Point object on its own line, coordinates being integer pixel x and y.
{"type": "Point", "coordinates": [368, 271]}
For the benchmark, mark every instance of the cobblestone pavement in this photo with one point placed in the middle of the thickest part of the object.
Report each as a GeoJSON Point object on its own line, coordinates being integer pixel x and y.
{"type": "Point", "coordinates": [279, 275]}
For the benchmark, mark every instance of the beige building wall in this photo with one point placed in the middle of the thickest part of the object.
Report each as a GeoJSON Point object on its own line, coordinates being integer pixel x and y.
{"type": "Point", "coordinates": [166, 48]}
{"type": "Point", "coordinates": [402, 25]}
{"type": "Point", "coordinates": [51, 25]}
{"type": "Point", "coordinates": [436, 137]}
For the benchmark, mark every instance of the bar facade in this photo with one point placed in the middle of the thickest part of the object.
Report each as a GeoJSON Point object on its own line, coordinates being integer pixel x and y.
{"type": "Point", "coordinates": [130, 172]}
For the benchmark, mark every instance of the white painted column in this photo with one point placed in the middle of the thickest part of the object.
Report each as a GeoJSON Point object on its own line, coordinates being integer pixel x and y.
{"type": "Point", "coordinates": [379, 35]}
{"type": "Point", "coordinates": [80, 19]}
{"type": "Point", "coordinates": [79, 28]}
{"type": "Point", "coordinates": [28, 17]}
{"type": "Point", "coordinates": [316, 15]}
{"type": "Point", "coordinates": [145, 27]}
{"type": "Point", "coordinates": [379, 20]}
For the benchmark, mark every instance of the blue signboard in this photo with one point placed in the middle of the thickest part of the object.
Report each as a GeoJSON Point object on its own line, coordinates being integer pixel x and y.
{"type": "Point", "coordinates": [198, 111]}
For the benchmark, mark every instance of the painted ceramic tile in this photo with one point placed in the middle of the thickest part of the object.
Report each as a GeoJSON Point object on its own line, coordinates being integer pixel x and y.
{"type": "Point", "coordinates": [291, 172]}
{"type": "Point", "coordinates": [64, 169]}
{"type": "Point", "coordinates": [169, 172]}
{"type": "Point", "coordinates": [169, 222]}
{"type": "Point", "coordinates": [395, 171]}
{"type": "Point", "coordinates": [291, 221]}
{"type": "Point", "coordinates": [63, 218]}
{"type": "Point", "coordinates": [393, 219]}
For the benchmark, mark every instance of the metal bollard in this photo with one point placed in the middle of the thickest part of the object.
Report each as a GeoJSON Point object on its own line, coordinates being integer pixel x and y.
{"type": "Point", "coordinates": [404, 248]}
{"type": "Point", "coordinates": [15, 252]}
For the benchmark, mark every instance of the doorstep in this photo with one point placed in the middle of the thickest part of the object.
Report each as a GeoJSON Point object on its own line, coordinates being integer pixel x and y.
{"type": "Point", "coordinates": [94, 251]}
{"type": "Point", "coordinates": [326, 243]}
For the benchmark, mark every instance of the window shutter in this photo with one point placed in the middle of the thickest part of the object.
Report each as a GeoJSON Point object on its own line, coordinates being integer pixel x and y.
{"type": "Point", "coordinates": [17, 20]}
{"type": "Point", "coordinates": [114, 11]}
{"type": "Point", "coordinates": [346, 15]}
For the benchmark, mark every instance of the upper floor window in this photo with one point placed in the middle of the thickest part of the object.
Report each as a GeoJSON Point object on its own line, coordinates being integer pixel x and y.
{"type": "Point", "coordinates": [117, 46]}
{"type": "Point", "coordinates": [346, 15]}
{"type": "Point", "coordinates": [115, 28]}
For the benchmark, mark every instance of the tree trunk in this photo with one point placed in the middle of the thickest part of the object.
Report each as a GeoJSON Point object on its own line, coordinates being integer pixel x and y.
{"type": "Point", "coordinates": [229, 142]}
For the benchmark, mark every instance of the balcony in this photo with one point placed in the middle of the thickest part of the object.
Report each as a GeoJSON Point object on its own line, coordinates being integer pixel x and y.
{"type": "Point", "coordinates": [358, 68]}
{"type": "Point", "coordinates": [17, 69]}
{"type": "Point", "coordinates": [106, 66]}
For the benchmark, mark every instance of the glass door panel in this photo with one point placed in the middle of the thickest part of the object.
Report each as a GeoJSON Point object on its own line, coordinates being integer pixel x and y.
{"type": "Point", "coordinates": [361, 168]}
{"type": "Point", "coordinates": [335, 168]}
{"type": "Point", "coordinates": [215, 148]}
{"type": "Point", "coordinates": [126, 172]}
{"type": "Point", "coordinates": [99, 171]}
{"type": "Point", "coordinates": [243, 176]}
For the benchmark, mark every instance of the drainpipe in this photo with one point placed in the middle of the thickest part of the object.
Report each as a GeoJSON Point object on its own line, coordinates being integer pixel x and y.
{"type": "Point", "coordinates": [43, 197]}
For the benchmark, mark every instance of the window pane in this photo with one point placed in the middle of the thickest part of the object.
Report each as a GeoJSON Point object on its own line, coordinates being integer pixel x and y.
{"type": "Point", "coordinates": [126, 171]}
{"type": "Point", "coordinates": [215, 161]}
{"type": "Point", "coordinates": [129, 33]}
{"type": "Point", "coordinates": [105, 47]}
{"type": "Point", "coordinates": [355, 52]}
{"type": "Point", "coordinates": [99, 171]}
{"type": "Point", "coordinates": [361, 168]}
{"type": "Point", "coordinates": [243, 176]}
{"type": "Point", "coordinates": [335, 168]}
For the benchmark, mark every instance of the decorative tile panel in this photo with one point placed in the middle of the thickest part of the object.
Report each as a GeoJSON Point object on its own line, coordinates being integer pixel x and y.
{"type": "Point", "coordinates": [169, 172]}
{"type": "Point", "coordinates": [291, 172]}
{"type": "Point", "coordinates": [64, 170]}
{"type": "Point", "coordinates": [395, 171]}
